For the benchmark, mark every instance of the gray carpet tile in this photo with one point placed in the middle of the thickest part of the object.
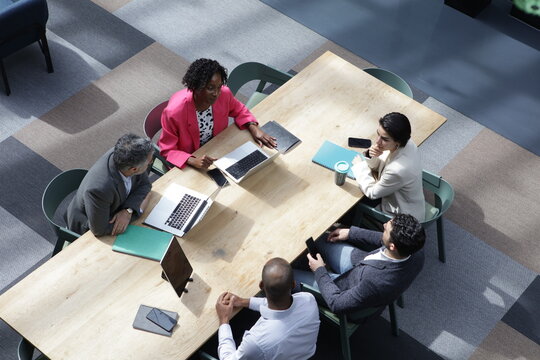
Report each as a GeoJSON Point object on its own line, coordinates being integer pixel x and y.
{"type": "Point", "coordinates": [24, 175]}
{"type": "Point", "coordinates": [482, 73]}
{"type": "Point", "coordinates": [95, 31]}
{"type": "Point", "coordinates": [449, 139]}
{"type": "Point", "coordinates": [525, 312]}
{"type": "Point", "coordinates": [34, 90]}
{"type": "Point", "coordinates": [20, 248]}
{"type": "Point", "coordinates": [231, 31]}
{"type": "Point", "coordinates": [452, 307]}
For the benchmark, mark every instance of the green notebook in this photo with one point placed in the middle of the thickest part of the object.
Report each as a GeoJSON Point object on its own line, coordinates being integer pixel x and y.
{"type": "Point", "coordinates": [144, 242]}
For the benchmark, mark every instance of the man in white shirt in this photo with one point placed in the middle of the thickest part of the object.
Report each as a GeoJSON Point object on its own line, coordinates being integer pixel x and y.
{"type": "Point", "coordinates": [288, 326]}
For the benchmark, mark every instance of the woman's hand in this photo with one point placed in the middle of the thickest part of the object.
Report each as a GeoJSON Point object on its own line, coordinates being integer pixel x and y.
{"type": "Point", "coordinates": [202, 162]}
{"type": "Point", "coordinates": [375, 151]}
{"type": "Point", "coordinates": [262, 138]}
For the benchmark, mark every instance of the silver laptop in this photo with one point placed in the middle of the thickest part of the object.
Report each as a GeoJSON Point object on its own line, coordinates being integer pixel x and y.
{"type": "Point", "coordinates": [180, 209]}
{"type": "Point", "coordinates": [244, 161]}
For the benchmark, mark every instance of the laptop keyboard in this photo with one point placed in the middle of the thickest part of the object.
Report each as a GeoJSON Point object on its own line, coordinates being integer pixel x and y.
{"type": "Point", "coordinates": [242, 166]}
{"type": "Point", "coordinates": [182, 211]}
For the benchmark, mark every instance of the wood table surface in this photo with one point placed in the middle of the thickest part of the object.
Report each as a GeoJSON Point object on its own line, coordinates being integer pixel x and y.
{"type": "Point", "coordinates": [81, 303]}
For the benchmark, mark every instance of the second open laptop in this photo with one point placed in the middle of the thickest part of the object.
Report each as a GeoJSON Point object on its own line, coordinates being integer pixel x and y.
{"type": "Point", "coordinates": [176, 267]}
{"type": "Point", "coordinates": [244, 161]}
{"type": "Point", "coordinates": [180, 209]}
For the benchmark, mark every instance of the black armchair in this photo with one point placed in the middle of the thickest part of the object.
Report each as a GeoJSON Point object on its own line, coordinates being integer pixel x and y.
{"type": "Point", "coordinates": [22, 22]}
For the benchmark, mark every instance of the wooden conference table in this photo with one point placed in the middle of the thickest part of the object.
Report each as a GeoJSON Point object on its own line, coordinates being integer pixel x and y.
{"type": "Point", "coordinates": [81, 303]}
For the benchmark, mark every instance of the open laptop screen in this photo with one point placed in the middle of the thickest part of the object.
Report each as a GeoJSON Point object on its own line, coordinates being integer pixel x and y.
{"type": "Point", "coordinates": [176, 267]}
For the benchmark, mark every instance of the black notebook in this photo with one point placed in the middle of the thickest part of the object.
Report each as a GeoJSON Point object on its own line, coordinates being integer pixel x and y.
{"type": "Point", "coordinates": [142, 323]}
{"type": "Point", "coordinates": [285, 140]}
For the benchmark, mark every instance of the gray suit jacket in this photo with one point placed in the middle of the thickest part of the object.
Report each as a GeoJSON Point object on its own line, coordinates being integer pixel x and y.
{"type": "Point", "coordinates": [101, 195]}
{"type": "Point", "coordinates": [370, 283]}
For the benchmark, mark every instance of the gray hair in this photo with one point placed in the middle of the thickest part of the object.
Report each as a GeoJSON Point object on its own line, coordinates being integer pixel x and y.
{"type": "Point", "coordinates": [131, 151]}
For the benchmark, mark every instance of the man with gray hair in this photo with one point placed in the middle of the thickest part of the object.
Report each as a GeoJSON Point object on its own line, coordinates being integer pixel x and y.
{"type": "Point", "coordinates": [115, 189]}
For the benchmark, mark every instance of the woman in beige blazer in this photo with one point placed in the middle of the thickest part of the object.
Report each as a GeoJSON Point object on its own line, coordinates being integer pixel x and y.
{"type": "Point", "coordinates": [391, 170]}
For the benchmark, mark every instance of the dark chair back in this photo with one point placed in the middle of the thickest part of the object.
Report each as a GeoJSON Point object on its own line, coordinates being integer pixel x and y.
{"type": "Point", "coordinates": [56, 191]}
{"type": "Point", "coordinates": [151, 126]}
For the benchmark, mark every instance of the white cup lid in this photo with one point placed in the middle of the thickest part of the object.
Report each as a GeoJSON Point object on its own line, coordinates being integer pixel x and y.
{"type": "Point", "coordinates": [342, 166]}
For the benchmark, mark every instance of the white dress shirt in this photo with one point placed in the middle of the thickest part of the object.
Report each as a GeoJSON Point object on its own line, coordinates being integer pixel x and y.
{"type": "Point", "coordinates": [278, 334]}
{"type": "Point", "coordinates": [127, 182]}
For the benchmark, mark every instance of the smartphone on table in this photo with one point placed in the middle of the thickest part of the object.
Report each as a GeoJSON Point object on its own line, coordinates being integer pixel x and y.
{"type": "Point", "coordinates": [359, 142]}
{"type": "Point", "coordinates": [161, 319]}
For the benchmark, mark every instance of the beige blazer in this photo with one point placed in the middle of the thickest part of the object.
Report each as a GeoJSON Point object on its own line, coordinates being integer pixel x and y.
{"type": "Point", "coordinates": [399, 184]}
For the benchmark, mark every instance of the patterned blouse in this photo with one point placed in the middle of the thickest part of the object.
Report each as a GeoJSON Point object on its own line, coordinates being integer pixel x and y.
{"type": "Point", "coordinates": [205, 119]}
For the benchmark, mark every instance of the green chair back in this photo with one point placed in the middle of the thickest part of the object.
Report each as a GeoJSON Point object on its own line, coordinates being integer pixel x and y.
{"type": "Point", "coordinates": [391, 79]}
{"type": "Point", "coordinates": [55, 192]}
{"type": "Point", "coordinates": [347, 324]}
{"type": "Point", "coordinates": [250, 71]}
{"type": "Point", "coordinates": [443, 195]}
{"type": "Point", "coordinates": [151, 126]}
{"type": "Point", "coordinates": [25, 351]}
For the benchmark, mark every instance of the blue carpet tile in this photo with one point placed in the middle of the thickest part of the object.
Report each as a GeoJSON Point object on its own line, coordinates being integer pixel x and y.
{"type": "Point", "coordinates": [96, 31]}
{"type": "Point", "coordinates": [24, 175]}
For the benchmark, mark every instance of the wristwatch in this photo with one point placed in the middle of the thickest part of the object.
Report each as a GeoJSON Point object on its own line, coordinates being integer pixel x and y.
{"type": "Point", "coordinates": [129, 210]}
{"type": "Point", "coordinates": [251, 123]}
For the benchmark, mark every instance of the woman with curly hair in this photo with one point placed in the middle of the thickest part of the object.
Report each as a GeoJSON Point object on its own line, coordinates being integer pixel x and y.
{"type": "Point", "coordinates": [199, 112]}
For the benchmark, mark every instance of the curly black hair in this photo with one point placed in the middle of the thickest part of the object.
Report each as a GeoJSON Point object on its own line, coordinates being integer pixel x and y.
{"type": "Point", "coordinates": [407, 234]}
{"type": "Point", "coordinates": [397, 126]}
{"type": "Point", "coordinates": [200, 72]}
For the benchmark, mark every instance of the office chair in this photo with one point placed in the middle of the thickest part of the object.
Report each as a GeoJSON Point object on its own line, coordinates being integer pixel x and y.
{"type": "Point", "coordinates": [249, 71]}
{"type": "Point", "coordinates": [151, 126]}
{"type": "Point", "coordinates": [443, 196]}
{"type": "Point", "coordinates": [26, 351]}
{"type": "Point", "coordinates": [348, 324]}
{"type": "Point", "coordinates": [391, 79]}
{"type": "Point", "coordinates": [22, 23]}
{"type": "Point", "coordinates": [55, 192]}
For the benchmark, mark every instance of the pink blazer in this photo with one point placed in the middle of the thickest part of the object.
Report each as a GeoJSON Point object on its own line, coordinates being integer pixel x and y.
{"type": "Point", "coordinates": [181, 136]}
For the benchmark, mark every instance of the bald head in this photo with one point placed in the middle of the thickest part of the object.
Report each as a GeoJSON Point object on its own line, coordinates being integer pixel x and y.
{"type": "Point", "coordinates": [277, 279]}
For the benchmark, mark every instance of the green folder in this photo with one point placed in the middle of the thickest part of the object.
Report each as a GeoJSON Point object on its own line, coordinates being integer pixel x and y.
{"type": "Point", "coordinates": [144, 242]}
{"type": "Point", "coordinates": [329, 154]}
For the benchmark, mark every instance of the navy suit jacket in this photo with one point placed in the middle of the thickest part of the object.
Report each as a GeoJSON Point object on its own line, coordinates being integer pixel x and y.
{"type": "Point", "coordinates": [370, 283]}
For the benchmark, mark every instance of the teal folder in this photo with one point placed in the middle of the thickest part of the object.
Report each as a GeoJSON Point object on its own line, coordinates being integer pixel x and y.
{"type": "Point", "coordinates": [144, 242]}
{"type": "Point", "coordinates": [329, 154]}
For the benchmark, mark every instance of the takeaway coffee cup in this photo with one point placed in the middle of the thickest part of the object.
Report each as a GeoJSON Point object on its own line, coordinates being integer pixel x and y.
{"type": "Point", "coordinates": [341, 169]}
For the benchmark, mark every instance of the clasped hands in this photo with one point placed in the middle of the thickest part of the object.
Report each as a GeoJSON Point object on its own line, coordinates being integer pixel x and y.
{"type": "Point", "coordinates": [225, 305]}
{"type": "Point", "coordinates": [335, 236]}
